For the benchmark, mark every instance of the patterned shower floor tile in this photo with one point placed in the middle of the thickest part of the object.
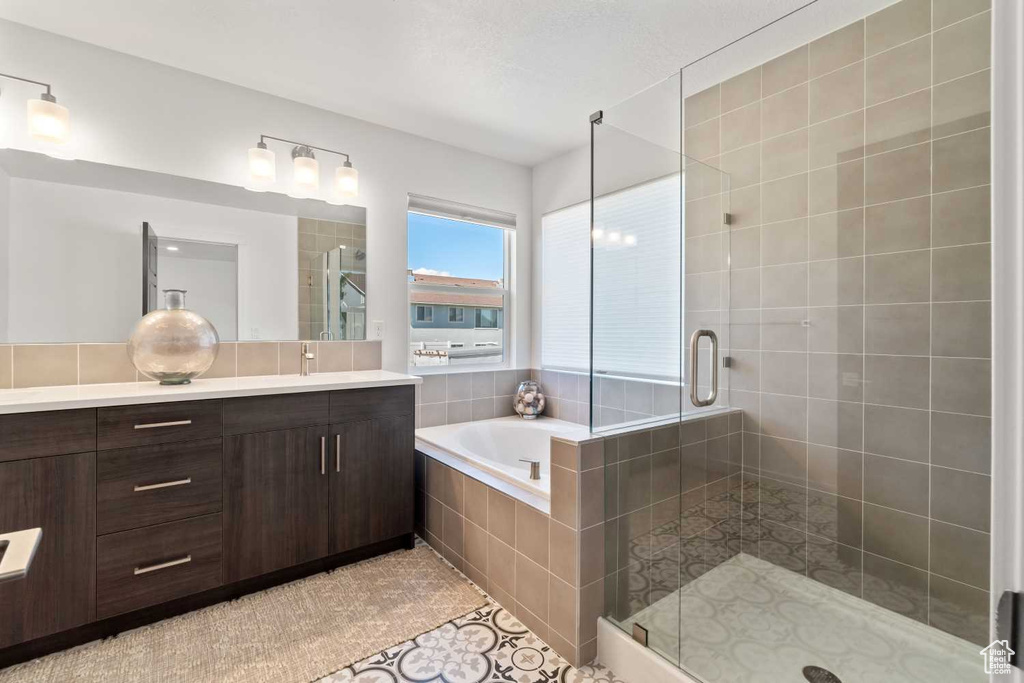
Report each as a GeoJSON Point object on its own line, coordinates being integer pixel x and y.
{"type": "Point", "coordinates": [486, 645]}
{"type": "Point", "coordinates": [749, 621]}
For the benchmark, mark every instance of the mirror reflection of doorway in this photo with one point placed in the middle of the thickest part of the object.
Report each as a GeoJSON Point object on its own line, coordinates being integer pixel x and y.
{"type": "Point", "coordinates": [207, 271]}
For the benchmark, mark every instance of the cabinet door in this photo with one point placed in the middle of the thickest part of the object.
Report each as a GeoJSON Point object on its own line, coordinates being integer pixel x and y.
{"type": "Point", "coordinates": [275, 500]}
{"type": "Point", "coordinates": [371, 481]}
{"type": "Point", "coordinates": [58, 495]}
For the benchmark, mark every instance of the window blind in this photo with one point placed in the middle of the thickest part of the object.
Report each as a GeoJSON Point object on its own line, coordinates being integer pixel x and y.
{"type": "Point", "coordinates": [637, 290]}
{"type": "Point", "coordinates": [442, 208]}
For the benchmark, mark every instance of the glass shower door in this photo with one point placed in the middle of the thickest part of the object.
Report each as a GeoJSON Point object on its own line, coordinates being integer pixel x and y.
{"type": "Point", "coordinates": [660, 273]}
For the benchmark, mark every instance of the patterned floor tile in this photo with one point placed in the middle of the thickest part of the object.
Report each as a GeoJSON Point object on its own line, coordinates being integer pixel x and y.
{"type": "Point", "coordinates": [486, 645]}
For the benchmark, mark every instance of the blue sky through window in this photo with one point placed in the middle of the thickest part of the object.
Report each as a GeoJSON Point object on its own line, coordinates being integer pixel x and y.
{"type": "Point", "coordinates": [440, 246]}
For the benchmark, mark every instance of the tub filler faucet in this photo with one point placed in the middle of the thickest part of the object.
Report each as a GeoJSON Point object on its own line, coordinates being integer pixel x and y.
{"type": "Point", "coordinates": [534, 468]}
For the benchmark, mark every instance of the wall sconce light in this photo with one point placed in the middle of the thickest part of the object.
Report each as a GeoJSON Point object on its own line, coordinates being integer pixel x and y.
{"type": "Point", "coordinates": [47, 121]}
{"type": "Point", "coordinates": [305, 171]}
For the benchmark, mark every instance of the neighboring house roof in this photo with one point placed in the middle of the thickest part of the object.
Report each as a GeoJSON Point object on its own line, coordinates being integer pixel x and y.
{"type": "Point", "coordinates": [454, 299]}
{"type": "Point", "coordinates": [450, 281]}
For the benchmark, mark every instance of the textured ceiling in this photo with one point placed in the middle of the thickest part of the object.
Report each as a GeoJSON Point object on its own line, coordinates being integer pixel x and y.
{"type": "Point", "coordinates": [514, 79]}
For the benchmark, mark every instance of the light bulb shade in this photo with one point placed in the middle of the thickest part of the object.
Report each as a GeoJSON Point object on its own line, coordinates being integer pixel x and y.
{"type": "Point", "coordinates": [306, 175]}
{"type": "Point", "coordinates": [346, 183]}
{"type": "Point", "coordinates": [48, 122]}
{"type": "Point", "coordinates": [262, 168]}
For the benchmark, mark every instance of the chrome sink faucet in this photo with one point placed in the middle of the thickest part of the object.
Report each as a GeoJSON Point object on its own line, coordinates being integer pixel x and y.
{"type": "Point", "coordinates": [305, 356]}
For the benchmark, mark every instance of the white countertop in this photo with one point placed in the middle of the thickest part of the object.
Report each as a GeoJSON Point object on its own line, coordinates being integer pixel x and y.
{"type": "Point", "coordinates": [37, 399]}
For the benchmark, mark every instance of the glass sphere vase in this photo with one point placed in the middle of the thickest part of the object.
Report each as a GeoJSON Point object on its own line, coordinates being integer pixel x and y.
{"type": "Point", "coordinates": [173, 344]}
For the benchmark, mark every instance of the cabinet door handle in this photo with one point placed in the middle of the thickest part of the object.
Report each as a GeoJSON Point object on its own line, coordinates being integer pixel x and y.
{"type": "Point", "coordinates": [162, 485]}
{"type": "Point", "coordinates": [156, 425]}
{"type": "Point", "coordinates": [337, 452]}
{"type": "Point", "coordinates": [323, 455]}
{"type": "Point", "coordinates": [162, 565]}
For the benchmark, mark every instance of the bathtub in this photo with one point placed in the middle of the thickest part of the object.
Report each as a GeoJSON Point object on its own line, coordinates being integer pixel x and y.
{"type": "Point", "coordinates": [490, 451]}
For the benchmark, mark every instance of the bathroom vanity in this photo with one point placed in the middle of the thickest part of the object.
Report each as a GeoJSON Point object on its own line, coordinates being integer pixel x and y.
{"type": "Point", "coordinates": [157, 500]}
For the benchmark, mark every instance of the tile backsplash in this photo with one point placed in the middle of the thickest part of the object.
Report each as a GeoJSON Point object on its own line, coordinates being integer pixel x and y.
{"type": "Point", "coordinates": [43, 365]}
{"type": "Point", "coordinates": [467, 396]}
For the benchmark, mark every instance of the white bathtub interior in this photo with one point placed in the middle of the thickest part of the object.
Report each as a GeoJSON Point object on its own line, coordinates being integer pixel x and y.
{"type": "Point", "coordinates": [494, 451]}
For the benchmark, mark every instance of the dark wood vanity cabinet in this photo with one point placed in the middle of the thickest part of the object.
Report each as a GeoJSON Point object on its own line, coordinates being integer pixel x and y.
{"type": "Point", "coordinates": [57, 494]}
{"type": "Point", "coordinates": [300, 494]}
{"type": "Point", "coordinates": [275, 500]}
{"type": "Point", "coordinates": [371, 469]}
{"type": "Point", "coordinates": [151, 510]}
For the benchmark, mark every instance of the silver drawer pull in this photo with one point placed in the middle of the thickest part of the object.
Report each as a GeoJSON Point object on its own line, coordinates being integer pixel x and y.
{"type": "Point", "coordinates": [162, 485]}
{"type": "Point", "coordinates": [156, 425]}
{"type": "Point", "coordinates": [163, 565]}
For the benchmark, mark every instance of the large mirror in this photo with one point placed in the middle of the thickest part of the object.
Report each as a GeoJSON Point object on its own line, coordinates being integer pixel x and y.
{"type": "Point", "coordinates": [86, 249]}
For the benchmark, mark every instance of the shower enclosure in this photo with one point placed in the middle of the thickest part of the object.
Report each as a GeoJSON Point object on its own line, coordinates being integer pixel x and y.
{"type": "Point", "coordinates": [814, 201]}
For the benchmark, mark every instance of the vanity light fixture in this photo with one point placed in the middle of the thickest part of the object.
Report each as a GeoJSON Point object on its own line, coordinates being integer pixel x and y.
{"type": "Point", "coordinates": [305, 171]}
{"type": "Point", "coordinates": [47, 120]}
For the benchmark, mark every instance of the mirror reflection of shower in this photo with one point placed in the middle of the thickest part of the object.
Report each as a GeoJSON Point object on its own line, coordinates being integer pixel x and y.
{"type": "Point", "coordinates": [338, 293]}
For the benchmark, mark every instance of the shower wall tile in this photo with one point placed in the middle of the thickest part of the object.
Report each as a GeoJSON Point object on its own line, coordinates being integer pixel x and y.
{"type": "Point", "coordinates": [962, 104]}
{"type": "Point", "coordinates": [897, 24]}
{"type": "Point", "coordinates": [785, 71]}
{"type": "Point", "coordinates": [741, 90]}
{"type": "Point", "coordinates": [860, 308]}
{"type": "Point", "coordinates": [962, 48]}
{"type": "Point", "coordinates": [837, 93]}
{"type": "Point", "coordinates": [899, 71]}
{"type": "Point", "coordinates": [837, 140]}
{"type": "Point", "coordinates": [837, 49]}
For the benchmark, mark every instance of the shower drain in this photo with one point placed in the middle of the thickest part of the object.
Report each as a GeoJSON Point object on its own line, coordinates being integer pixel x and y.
{"type": "Point", "coordinates": [815, 674]}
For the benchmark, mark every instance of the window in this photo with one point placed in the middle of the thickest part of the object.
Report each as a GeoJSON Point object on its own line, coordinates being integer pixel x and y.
{"type": "Point", "coordinates": [458, 259]}
{"type": "Point", "coordinates": [637, 289]}
{"type": "Point", "coordinates": [486, 318]}
{"type": "Point", "coordinates": [424, 314]}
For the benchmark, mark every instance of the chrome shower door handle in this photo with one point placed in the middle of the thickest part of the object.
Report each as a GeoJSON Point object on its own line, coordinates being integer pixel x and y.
{"type": "Point", "coordinates": [694, 365]}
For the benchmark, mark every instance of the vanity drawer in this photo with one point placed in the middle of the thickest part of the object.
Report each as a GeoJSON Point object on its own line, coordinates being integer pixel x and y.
{"type": "Point", "coordinates": [35, 435]}
{"type": "Point", "coordinates": [351, 405]}
{"type": "Point", "coordinates": [155, 423]}
{"type": "Point", "coordinates": [144, 567]}
{"type": "Point", "coordinates": [253, 414]}
{"type": "Point", "coordinates": [147, 485]}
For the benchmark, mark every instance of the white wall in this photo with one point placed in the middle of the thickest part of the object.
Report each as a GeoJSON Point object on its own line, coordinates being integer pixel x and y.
{"type": "Point", "coordinates": [131, 112]}
{"type": "Point", "coordinates": [5, 199]}
{"type": "Point", "coordinates": [75, 260]}
{"type": "Point", "coordinates": [622, 160]}
{"type": "Point", "coordinates": [212, 289]}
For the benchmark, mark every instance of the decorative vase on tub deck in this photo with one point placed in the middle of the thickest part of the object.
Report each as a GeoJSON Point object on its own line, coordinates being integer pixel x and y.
{"type": "Point", "coordinates": [529, 401]}
{"type": "Point", "coordinates": [172, 344]}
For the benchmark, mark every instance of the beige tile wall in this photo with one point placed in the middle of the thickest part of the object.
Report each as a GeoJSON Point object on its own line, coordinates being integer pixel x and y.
{"type": "Point", "coordinates": [43, 365]}
{"type": "Point", "coordinates": [860, 304]}
{"type": "Point", "coordinates": [451, 398]}
{"type": "Point", "coordinates": [538, 566]}
{"type": "Point", "coordinates": [672, 510]}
